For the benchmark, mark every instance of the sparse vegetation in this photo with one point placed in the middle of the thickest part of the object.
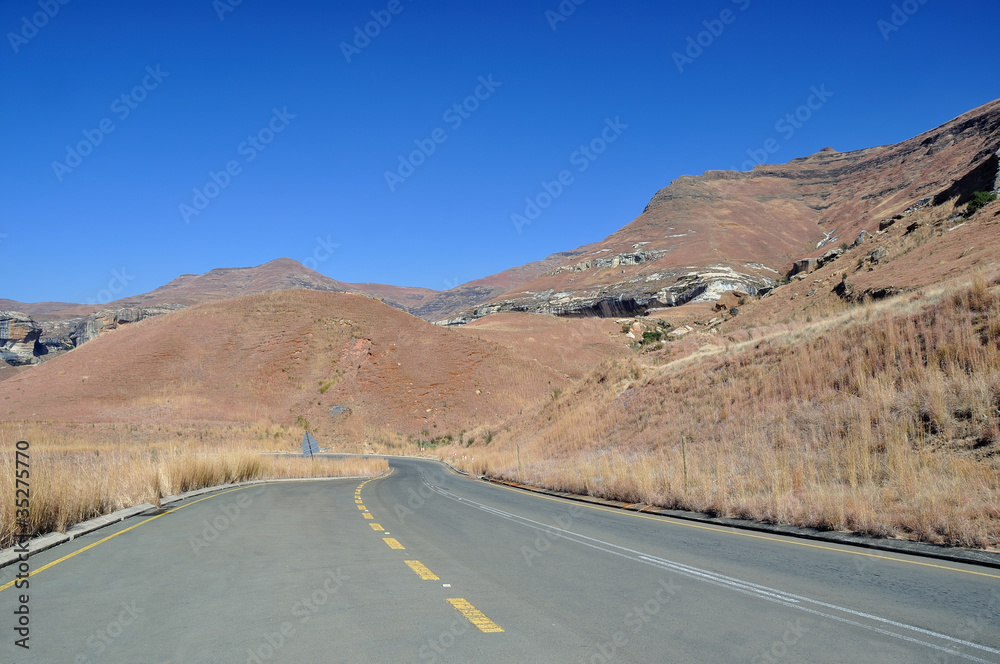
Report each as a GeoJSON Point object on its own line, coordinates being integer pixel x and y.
{"type": "Point", "coordinates": [72, 480]}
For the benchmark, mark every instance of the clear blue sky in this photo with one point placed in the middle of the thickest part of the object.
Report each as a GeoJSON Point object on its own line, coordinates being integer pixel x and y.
{"type": "Point", "coordinates": [63, 233]}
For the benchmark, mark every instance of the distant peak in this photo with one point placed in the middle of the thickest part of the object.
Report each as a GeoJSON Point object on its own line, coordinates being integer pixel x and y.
{"type": "Point", "coordinates": [285, 261]}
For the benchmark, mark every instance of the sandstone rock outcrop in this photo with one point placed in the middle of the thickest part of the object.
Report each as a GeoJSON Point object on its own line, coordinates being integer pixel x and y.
{"type": "Point", "coordinates": [630, 298]}
{"type": "Point", "coordinates": [731, 299]}
{"type": "Point", "coordinates": [92, 326]}
{"type": "Point", "coordinates": [19, 335]}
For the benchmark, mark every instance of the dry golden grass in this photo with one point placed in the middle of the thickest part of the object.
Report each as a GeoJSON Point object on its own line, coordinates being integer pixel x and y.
{"type": "Point", "coordinates": [72, 480]}
{"type": "Point", "coordinates": [883, 420]}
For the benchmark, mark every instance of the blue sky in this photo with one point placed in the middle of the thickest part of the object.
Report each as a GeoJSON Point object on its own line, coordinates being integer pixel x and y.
{"type": "Point", "coordinates": [265, 89]}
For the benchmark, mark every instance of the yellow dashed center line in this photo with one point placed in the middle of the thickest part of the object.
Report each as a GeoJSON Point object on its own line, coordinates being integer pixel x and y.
{"type": "Point", "coordinates": [471, 613]}
{"type": "Point", "coordinates": [475, 616]}
{"type": "Point", "coordinates": [422, 570]}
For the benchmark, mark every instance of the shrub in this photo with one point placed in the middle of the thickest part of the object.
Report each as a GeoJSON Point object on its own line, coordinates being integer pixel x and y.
{"type": "Point", "coordinates": [980, 199]}
{"type": "Point", "coordinates": [650, 336]}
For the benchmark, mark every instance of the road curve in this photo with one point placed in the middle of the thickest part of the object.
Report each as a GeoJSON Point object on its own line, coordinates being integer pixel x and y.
{"type": "Point", "coordinates": [425, 565]}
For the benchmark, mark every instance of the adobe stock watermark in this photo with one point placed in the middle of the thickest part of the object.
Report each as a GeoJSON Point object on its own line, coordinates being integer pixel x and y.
{"type": "Point", "coordinates": [31, 26]}
{"type": "Point", "coordinates": [223, 7]}
{"type": "Point", "coordinates": [381, 18]}
{"type": "Point", "coordinates": [219, 524]}
{"type": "Point", "coordinates": [323, 251]}
{"type": "Point", "coordinates": [454, 116]}
{"type": "Point", "coordinates": [714, 27]}
{"type": "Point", "coordinates": [972, 628]}
{"type": "Point", "coordinates": [249, 149]}
{"type": "Point", "coordinates": [543, 540]}
{"type": "Point", "coordinates": [435, 647]}
{"type": "Point", "coordinates": [562, 13]}
{"type": "Point", "coordinates": [417, 499]}
{"type": "Point", "coordinates": [782, 647]}
{"type": "Point", "coordinates": [901, 13]}
{"type": "Point", "coordinates": [99, 641]}
{"type": "Point", "coordinates": [635, 620]}
{"type": "Point", "coordinates": [303, 609]}
{"type": "Point", "coordinates": [116, 285]}
{"type": "Point", "coordinates": [582, 158]}
{"type": "Point", "coordinates": [787, 126]}
{"type": "Point", "coordinates": [122, 106]}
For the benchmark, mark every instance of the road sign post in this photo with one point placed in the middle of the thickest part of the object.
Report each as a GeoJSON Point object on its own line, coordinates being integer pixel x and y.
{"type": "Point", "coordinates": [309, 445]}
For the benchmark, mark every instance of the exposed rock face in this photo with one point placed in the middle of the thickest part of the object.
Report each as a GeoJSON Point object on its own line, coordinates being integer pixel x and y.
{"type": "Point", "coordinates": [631, 258]}
{"type": "Point", "coordinates": [844, 289]}
{"type": "Point", "coordinates": [830, 256]}
{"type": "Point", "coordinates": [92, 326]}
{"type": "Point", "coordinates": [631, 298]}
{"type": "Point", "coordinates": [996, 180]}
{"type": "Point", "coordinates": [804, 266]}
{"type": "Point", "coordinates": [876, 255]}
{"type": "Point", "coordinates": [731, 300]}
{"type": "Point", "coordinates": [19, 336]}
{"type": "Point", "coordinates": [56, 334]}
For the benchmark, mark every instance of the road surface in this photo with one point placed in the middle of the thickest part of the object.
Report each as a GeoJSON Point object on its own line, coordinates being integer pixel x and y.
{"type": "Point", "coordinates": [425, 565]}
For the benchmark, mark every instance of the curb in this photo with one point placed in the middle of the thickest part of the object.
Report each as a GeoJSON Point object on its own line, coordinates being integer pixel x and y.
{"type": "Point", "coordinates": [49, 540]}
{"type": "Point", "coordinates": [458, 471]}
{"type": "Point", "coordinates": [923, 549]}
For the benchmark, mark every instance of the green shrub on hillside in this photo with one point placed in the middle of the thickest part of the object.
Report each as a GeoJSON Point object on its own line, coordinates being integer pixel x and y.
{"type": "Point", "coordinates": [651, 337]}
{"type": "Point", "coordinates": [980, 199]}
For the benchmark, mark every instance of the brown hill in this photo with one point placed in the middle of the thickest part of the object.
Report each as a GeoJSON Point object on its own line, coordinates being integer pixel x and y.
{"type": "Point", "coordinates": [287, 357]}
{"type": "Point", "coordinates": [288, 274]}
{"type": "Point", "coordinates": [729, 230]}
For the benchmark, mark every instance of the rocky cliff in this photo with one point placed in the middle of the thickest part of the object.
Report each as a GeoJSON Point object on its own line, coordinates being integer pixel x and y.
{"type": "Point", "coordinates": [94, 325]}
{"type": "Point", "coordinates": [25, 341]}
{"type": "Point", "coordinates": [19, 339]}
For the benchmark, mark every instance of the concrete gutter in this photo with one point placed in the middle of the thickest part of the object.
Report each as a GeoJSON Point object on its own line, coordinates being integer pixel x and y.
{"type": "Point", "coordinates": [923, 549]}
{"type": "Point", "coordinates": [49, 540]}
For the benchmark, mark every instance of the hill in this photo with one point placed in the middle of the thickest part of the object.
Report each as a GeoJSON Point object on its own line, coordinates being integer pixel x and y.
{"type": "Point", "coordinates": [335, 362]}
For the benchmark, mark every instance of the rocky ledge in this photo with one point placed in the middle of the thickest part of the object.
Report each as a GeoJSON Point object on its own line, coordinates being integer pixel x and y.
{"type": "Point", "coordinates": [92, 326]}
{"type": "Point", "coordinates": [630, 298]}
{"type": "Point", "coordinates": [19, 339]}
{"type": "Point", "coordinates": [25, 341]}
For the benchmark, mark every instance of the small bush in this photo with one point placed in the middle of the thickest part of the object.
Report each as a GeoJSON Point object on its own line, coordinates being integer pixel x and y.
{"type": "Point", "coordinates": [651, 337]}
{"type": "Point", "coordinates": [980, 199]}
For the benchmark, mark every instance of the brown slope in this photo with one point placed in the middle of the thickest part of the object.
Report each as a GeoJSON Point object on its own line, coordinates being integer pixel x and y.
{"type": "Point", "coordinates": [571, 346]}
{"type": "Point", "coordinates": [282, 356]}
{"type": "Point", "coordinates": [704, 235]}
{"type": "Point", "coordinates": [286, 274]}
{"type": "Point", "coordinates": [221, 283]}
{"type": "Point", "coordinates": [36, 309]}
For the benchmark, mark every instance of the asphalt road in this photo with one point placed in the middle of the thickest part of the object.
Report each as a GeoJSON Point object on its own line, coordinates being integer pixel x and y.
{"type": "Point", "coordinates": [428, 566]}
